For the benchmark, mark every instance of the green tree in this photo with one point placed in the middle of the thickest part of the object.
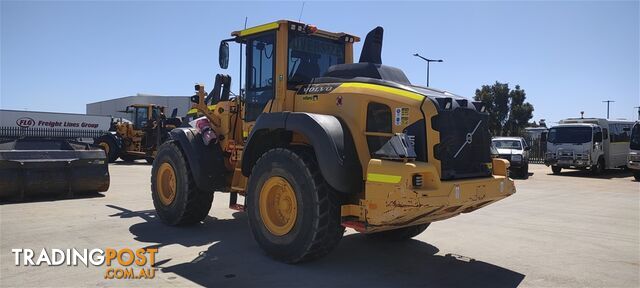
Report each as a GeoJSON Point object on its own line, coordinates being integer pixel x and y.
{"type": "Point", "coordinates": [509, 114]}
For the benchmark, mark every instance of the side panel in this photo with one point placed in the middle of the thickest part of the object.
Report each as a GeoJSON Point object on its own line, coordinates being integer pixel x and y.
{"type": "Point", "coordinates": [205, 162]}
{"type": "Point", "coordinates": [331, 141]}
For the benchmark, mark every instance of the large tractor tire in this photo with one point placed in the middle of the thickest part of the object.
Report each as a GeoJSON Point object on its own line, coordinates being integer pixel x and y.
{"type": "Point", "coordinates": [400, 234]}
{"type": "Point", "coordinates": [109, 146]}
{"type": "Point", "coordinates": [293, 213]}
{"type": "Point", "coordinates": [175, 196]}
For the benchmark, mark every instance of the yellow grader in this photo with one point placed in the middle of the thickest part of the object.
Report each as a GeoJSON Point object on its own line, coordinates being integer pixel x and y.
{"type": "Point", "coordinates": [140, 137]}
{"type": "Point", "coordinates": [317, 143]}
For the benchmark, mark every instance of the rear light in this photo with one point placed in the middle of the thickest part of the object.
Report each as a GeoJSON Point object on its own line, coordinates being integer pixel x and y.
{"type": "Point", "coordinates": [311, 29]}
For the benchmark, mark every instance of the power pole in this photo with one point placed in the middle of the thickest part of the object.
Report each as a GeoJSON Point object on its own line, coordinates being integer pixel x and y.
{"type": "Point", "coordinates": [608, 102]}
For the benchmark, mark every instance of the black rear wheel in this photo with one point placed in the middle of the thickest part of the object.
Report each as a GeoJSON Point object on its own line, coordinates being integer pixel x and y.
{"type": "Point", "coordinates": [109, 146]}
{"type": "Point", "coordinates": [556, 170]}
{"type": "Point", "coordinates": [400, 234]}
{"type": "Point", "coordinates": [293, 213]}
{"type": "Point", "coordinates": [636, 174]}
{"type": "Point", "coordinates": [175, 196]}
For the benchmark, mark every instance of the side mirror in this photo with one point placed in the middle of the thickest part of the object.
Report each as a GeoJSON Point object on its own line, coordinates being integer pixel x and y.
{"type": "Point", "coordinates": [597, 137]}
{"type": "Point", "coordinates": [527, 148]}
{"type": "Point", "coordinates": [223, 55]}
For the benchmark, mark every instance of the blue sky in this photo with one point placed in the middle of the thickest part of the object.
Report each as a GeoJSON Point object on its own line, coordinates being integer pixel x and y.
{"type": "Point", "coordinates": [568, 56]}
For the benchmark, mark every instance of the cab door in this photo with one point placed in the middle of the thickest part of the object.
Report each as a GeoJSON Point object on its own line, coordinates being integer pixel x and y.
{"type": "Point", "coordinates": [260, 71]}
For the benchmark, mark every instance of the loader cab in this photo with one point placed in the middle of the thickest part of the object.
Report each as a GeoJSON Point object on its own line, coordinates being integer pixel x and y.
{"type": "Point", "coordinates": [142, 114]}
{"type": "Point", "coordinates": [309, 53]}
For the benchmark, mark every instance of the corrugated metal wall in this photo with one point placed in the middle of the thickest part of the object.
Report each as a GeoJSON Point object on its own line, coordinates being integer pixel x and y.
{"type": "Point", "coordinates": [111, 107]}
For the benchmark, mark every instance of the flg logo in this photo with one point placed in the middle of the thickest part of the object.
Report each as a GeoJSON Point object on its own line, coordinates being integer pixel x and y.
{"type": "Point", "coordinates": [25, 122]}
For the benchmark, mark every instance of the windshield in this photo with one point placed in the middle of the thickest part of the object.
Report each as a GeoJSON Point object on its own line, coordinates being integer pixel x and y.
{"type": "Point", "coordinates": [635, 137]}
{"type": "Point", "coordinates": [507, 144]}
{"type": "Point", "coordinates": [575, 135]}
{"type": "Point", "coordinates": [311, 56]}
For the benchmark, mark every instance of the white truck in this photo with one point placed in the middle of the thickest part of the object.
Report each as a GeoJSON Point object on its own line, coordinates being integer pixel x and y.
{"type": "Point", "coordinates": [588, 143]}
{"type": "Point", "coordinates": [633, 160]}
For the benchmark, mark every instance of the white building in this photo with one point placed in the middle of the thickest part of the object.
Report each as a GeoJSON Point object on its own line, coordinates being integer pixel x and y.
{"type": "Point", "coordinates": [114, 107]}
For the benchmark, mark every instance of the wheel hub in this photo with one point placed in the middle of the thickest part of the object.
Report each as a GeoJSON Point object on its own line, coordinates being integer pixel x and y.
{"type": "Point", "coordinates": [166, 184]}
{"type": "Point", "coordinates": [278, 206]}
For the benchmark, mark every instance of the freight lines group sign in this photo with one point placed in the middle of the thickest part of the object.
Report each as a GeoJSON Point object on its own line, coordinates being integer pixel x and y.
{"type": "Point", "coordinates": [28, 122]}
{"type": "Point", "coordinates": [47, 120]}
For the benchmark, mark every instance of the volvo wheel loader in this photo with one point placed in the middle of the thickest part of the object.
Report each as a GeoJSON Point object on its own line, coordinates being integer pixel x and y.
{"type": "Point", "coordinates": [139, 138]}
{"type": "Point", "coordinates": [317, 143]}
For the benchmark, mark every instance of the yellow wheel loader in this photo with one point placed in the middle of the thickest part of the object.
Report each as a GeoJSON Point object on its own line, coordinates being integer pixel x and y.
{"type": "Point", "coordinates": [317, 143]}
{"type": "Point", "coordinates": [140, 137]}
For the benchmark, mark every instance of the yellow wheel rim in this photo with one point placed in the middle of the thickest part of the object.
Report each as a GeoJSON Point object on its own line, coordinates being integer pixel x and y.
{"type": "Point", "coordinates": [104, 147]}
{"type": "Point", "coordinates": [166, 184]}
{"type": "Point", "coordinates": [278, 206]}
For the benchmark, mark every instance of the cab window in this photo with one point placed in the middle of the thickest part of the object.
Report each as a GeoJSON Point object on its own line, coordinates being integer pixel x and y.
{"type": "Point", "coordinates": [140, 117]}
{"type": "Point", "coordinates": [261, 54]}
{"type": "Point", "coordinates": [311, 56]}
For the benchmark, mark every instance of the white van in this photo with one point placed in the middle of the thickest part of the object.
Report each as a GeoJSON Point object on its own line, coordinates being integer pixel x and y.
{"type": "Point", "coordinates": [588, 143]}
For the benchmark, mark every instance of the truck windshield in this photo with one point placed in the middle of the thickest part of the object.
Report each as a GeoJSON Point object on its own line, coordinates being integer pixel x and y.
{"type": "Point", "coordinates": [311, 56]}
{"type": "Point", "coordinates": [575, 135]}
{"type": "Point", "coordinates": [507, 144]}
{"type": "Point", "coordinates": [635, 137]}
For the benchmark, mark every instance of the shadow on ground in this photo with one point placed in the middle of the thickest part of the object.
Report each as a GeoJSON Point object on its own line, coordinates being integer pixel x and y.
{"type": "Point", "coordinates": [131, 163]}
{"type": "Point", "coordinates": [51, 198]}
{"type": "Point", "coordinates": [607, 174]}
{"type": "Point", "coordinates": [234, 259]}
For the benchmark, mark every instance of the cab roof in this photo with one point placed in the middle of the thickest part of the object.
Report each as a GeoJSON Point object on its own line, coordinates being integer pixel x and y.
{"type": "Point", "coordinates": [294, 25]}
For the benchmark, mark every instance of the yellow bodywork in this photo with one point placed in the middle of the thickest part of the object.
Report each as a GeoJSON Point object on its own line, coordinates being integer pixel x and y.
{"type": "Point", "coordinates": [391, 201]}
{"type": "Point", "coordinates": [388, 199]}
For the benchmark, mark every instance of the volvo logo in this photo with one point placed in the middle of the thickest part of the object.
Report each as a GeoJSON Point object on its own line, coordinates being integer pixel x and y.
{"type": "Point", "coordinates": [25, 122]}
{"type": "Point", "coordinates": [468, 139]}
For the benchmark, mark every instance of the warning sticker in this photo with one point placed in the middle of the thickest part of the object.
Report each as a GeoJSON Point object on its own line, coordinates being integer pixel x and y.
{"type": "Point", "coordinates": [402, 116]}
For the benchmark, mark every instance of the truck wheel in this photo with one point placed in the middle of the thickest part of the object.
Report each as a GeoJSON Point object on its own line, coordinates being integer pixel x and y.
{"type": "Point", "coordinates": [175, 196]}
{"type": "Point", "coordinates": [400, 234]}
{"type": "Point", "coordinates": [293, 213]}
{"type": "Point", "coordinates": [556, 170]}
{"type": "Point", "coordinates": [598, 168]}
{"type": "Point", "coordinates": [636, 174]}
{"type": "Point", "coordinates": [525, 171]}
{"type": "Point", "coordinates": [109, 146]}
